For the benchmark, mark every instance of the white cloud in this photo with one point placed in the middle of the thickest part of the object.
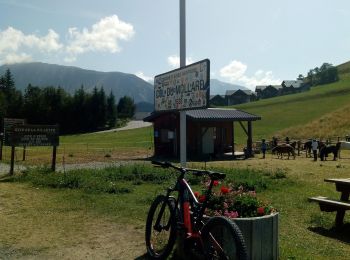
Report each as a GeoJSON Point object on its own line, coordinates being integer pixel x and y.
{"type": "Point", "coordinates": [15, 58]}
{"type": "Point", "coordinates": [104, 36]}
{"type": "Point", "coordinates": [235, 72]}
{"type": "Point", "coordinates": [141, 75]}
{"type": "Point", "coordinates": [174, 61]}
{"type": "Point", "coordinates": [11, 40]}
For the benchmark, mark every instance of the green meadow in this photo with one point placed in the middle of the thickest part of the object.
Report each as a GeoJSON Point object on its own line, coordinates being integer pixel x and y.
{"type": "Point", "coordinates": [102, 211]}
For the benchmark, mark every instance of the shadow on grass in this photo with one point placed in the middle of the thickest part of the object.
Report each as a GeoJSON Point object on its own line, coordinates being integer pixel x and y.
{"type": "Point", "coordinates": [341, 234]}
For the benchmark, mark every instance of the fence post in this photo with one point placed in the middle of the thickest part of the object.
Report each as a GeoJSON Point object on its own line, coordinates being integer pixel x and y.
{"type": "Point", "coordinates": [12, 160]}
{"type": "Point", "coordinates": [54, 151]}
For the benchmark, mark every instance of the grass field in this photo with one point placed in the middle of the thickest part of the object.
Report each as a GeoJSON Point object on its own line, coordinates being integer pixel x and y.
{"type": "Point", "coordinates": [102, 147]}
{"type": "Point", "coordinates": [123, 195]}
{"type": "Point", "coordinates": [97, 214]}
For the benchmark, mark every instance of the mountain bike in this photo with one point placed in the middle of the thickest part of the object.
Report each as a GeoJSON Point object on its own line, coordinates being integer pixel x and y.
{"type": "Point", "coordinates": [182, 217]}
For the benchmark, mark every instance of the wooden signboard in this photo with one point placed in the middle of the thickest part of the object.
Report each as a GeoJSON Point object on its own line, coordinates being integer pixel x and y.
{"type": "Point", "coordinates": [8, 124]}
{"type": "Point", "coordinates": [183, 89]}
{"type": "Point", "coordinates": [34, 135]}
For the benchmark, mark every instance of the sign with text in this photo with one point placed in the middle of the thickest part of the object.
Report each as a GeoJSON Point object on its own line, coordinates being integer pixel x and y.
{"type": "Point", "coordinates": [34, 135]}
{"type": "Point", "coordinates": [8, 124]}
{"type": "Point", "coordinates": [183, 89]}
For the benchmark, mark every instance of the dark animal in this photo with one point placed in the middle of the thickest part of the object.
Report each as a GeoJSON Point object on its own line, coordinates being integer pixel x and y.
{"type": "Point", "coordinates": [325, 150]}
{"type": "Point", "coordinates": [283, 149]}
{"type": "Point", "coordinates": [307, 148]}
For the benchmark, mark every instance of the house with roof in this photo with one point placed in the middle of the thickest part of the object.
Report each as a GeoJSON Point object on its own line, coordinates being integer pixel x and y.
{"type": "Point", "coordinates": [267, 91]}
{"type": "Point", "coordinates": [293, 86]}
{"type": "Point", "coordinates": [287, 87]}
{"type": "Point", "coordinates": [217, 100]}
{"type": "Point", "coordinates": [210, 132]}
{"type": "Point", "coordinates": [239, 96]}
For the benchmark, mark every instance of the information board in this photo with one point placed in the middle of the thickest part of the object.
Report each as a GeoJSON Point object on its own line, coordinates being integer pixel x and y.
{"type": "Point", "coordinates": [34, 135]}
{"type": "Point", "coordinates": [8, 124]}
{"type": "Point", "coordinates": [183, 89]}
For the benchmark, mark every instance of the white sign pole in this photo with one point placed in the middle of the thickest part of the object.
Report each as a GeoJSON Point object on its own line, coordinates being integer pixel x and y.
{"type": "Point", "coordinates": [183, 155]}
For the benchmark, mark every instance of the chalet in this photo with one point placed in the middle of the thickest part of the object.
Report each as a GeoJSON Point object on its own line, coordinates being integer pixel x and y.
{"type": "Point", "coordinates": [267, 91]}
{"type": "Point", "coordinates": [234, 97]}
{"type": "Point", "coordinates": [210, 132]}
{"type": "Point", "coordinates": [293, 86]}
{"type": "Point", "coordinates": [218, 100]}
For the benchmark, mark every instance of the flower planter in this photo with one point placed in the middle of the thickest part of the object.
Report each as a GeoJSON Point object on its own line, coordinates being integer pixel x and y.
{"type": "Point", "coordinates": [260, 236]}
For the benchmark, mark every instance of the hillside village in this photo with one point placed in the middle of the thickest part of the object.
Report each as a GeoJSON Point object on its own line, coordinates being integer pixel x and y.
{"type": "Point", "coordinates": [240, 96]}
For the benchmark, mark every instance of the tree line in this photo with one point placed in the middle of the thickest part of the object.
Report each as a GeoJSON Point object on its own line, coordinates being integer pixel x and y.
{"type": "Point", "coordinates": [81, 112]}
{"type": "Point", "coordinates": [325, 74]}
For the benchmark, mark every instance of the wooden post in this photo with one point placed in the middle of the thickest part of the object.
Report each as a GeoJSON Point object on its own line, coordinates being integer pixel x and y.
{"type": "Point", "coordinates": [24, 153]}
{"type": "Point", "coordinates": [1, 144]}
{"type": "Point", "coordinates": [53, 165]}
{"type": "Point", "coordinates": [233, 140]}
{"type": "Point", "coordinates": [12, 160]}
{"type": "Point", "coordinates": [250, 140]}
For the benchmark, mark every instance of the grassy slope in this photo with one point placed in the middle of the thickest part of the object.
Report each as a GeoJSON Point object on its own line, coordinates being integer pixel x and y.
{"type": "Point", "coordinates": [299, 109]}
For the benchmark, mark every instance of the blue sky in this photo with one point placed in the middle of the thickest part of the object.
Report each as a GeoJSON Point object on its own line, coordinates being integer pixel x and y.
{"type": "Point", "coordinates": [248, 42]}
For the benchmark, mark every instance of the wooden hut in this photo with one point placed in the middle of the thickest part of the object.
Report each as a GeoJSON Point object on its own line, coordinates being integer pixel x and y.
{"type": "Point", "coordinates": [210, 132]}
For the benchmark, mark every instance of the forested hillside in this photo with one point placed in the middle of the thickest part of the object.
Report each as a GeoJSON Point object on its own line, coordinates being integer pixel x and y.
{"type": "Point", "coordinates": [71, 79]}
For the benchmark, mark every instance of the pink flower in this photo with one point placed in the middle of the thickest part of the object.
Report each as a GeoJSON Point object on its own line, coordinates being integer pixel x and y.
{"type": "Point", "coordinates": [231, 214]}
{"type": "Point", "coordinates": [215, 183]}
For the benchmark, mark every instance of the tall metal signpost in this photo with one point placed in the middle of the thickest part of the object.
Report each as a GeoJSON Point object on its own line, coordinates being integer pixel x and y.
{"type": "Point", "coordinates": [184, 88]}
{"type": "Point", "coordinates": [183, 133]}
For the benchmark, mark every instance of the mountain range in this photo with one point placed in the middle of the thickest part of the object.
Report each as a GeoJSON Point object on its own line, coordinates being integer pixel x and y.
{"type": "Point", "coordinates": [71, 78]}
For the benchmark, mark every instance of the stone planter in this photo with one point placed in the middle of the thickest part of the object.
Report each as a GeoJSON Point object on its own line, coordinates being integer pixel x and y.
{"type": "Point", "coordinates": [260, 235]}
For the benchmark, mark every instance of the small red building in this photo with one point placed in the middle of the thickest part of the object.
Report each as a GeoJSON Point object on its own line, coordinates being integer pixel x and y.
{"type": "Point", "coordinates": [210, 132]}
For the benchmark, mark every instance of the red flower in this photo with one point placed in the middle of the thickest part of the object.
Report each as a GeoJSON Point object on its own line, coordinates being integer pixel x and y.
{"type": "Point", "coordinates": [201, 198]}
{"type": "Point", "coordinates": [196, 194]}
{"type": "Point", "coordinates": [261, 211]}
{"type": "Point", "coordinates": [215, 183]}
{"type": "Point", "coordinates": [224, 190]}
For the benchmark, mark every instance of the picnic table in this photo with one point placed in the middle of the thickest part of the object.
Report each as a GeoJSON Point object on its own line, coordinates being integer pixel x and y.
{"type": "Point", "coordinates": [340, 206]}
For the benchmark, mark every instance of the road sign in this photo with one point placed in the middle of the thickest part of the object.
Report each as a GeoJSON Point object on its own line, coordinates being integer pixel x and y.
{"type": "Point", "coordinates": [184, 88]}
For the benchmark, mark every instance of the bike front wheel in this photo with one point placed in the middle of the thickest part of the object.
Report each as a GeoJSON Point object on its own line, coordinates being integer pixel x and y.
{"type": "Point", "coordinates": [161, 228]}
{"type": "Point", "coordinates": [222, 239]}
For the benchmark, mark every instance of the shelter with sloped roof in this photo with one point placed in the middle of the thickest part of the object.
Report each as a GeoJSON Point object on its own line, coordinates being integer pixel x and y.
{"type": "Point", "coordinates": [210, 132]}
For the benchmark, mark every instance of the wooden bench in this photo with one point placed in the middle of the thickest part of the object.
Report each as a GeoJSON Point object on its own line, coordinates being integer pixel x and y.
{"type": "Point", "coordinates": [331, 205]}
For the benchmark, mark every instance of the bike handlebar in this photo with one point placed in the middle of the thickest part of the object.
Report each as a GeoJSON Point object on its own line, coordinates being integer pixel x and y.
{"type": "Point", "coordinates": [196, 172]}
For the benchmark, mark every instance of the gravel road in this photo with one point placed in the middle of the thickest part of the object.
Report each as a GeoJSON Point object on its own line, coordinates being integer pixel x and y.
{"type": "Point", "coordinates": [131, 125]}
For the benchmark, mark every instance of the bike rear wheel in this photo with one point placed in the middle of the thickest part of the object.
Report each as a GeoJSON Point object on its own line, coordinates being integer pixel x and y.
{"type": "Point", "coordinates": [161, 228]}
{"type": "Point", "coordinates": [222, 239]}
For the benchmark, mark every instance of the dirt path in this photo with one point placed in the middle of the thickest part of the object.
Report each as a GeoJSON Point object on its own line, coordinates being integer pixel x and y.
{"type": "Point", "coordinates": [38, 224]}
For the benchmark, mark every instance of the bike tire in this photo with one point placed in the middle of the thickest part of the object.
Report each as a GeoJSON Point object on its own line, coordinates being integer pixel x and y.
{"type": "Point", "coordinates": [220, 232]}
{"type": "Point", "coordinates": [166, 233]}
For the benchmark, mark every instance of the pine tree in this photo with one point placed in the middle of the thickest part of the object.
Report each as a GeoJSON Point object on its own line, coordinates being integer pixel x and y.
{"type": "Point", "coordinates": [111, 110]}
{"type": "Point", "coordinates": [126, 107]}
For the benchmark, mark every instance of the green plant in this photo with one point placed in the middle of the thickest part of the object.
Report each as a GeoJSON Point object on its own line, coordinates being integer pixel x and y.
{"type": "Point", "coordinates": [234, 202]}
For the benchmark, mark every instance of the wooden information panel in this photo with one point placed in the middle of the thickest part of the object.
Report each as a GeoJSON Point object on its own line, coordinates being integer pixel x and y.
{"type": "Point", "coordinates": [34, 135]}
